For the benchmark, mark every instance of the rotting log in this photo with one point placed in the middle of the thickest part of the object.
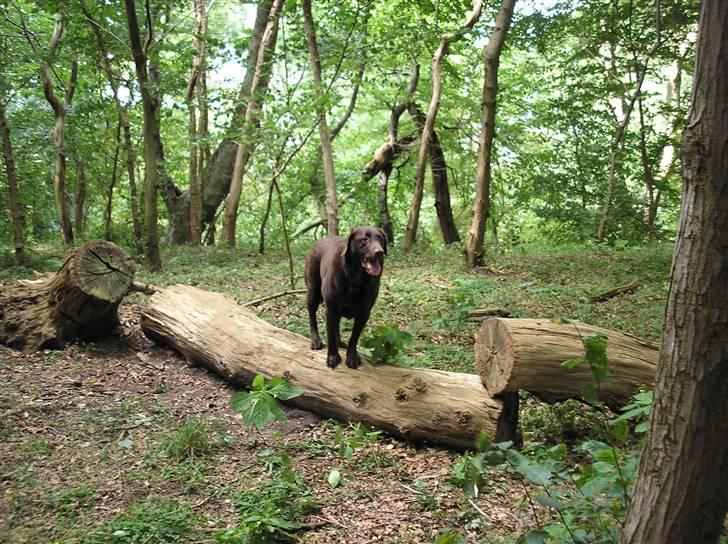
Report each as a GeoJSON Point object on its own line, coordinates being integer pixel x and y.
{"type": "Point", "coordinates": [513, 354]}
{"type": "Point", "coordinates": [419, 405]}
{"type": "Point", "coordinates": [80, 301]}
{"type": "Point", "coordinates": [631, 287]}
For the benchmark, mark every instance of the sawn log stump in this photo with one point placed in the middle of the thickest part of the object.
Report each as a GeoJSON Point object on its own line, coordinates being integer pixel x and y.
{"type": "Point", "coordinates": [79, 301]}
{"type": "Point", "coordinates": [420, 405]}
{"type": "Point", "coordinates": [513, 354]}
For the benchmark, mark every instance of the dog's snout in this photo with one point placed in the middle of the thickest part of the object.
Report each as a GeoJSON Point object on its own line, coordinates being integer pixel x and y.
{"type": "Point", "coordinates": [378, 253]}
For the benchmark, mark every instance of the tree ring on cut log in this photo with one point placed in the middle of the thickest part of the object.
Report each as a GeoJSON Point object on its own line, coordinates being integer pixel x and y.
{"type": "Point", "coordinates": [103, 271]}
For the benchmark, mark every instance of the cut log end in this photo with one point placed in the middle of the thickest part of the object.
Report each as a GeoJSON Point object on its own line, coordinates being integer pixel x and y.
{"type": "Point", "coordinates": [514, 354]}
{"type": "Point", "coordinates": [103, 271]}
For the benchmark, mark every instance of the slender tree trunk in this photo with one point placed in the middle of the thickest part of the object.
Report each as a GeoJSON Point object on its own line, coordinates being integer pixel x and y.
{"type": "Point", "coordinates": [125, 126]}
{"type": "Point", "coordinates": [332, 206]}
{"type": "Point", "coordinates": [414, 216]}
{"type": "Point", "coordinates": [196, 160]}
{"type": "Point", "coordinates": [681, 491]}
{"type": "Point", "coordinates": [150, 106]}
{"type": "Point", "coordinates": [440, 188]}
{"type": "Point", "coordinates": [474, 248]}
{"type": "Point", "coordinates": [252, 111]}
{"type": "Point", "coordinates": [112, 184]}
{"type": "Point", "coordinates": [16, 214]}
{"type": "Point", "coordinates": [264, 221]}
{"type": "Point", "coordinates": [80, 200]}
{"type": "Point", "coordinates": [59, 110]}
{"type": "Point", "coordinates": [621, 129]}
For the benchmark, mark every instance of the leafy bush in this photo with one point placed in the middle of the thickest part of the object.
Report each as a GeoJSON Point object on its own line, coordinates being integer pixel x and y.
{"type": "Point", "coordinates": [386, 343]}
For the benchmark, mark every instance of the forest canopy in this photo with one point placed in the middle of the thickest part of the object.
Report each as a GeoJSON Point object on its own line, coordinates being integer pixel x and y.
{"type": "Point", "coordinates": [591, 103]}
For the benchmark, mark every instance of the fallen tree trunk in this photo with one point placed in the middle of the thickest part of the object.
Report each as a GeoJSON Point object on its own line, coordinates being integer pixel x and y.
{"type": "Point", "coordinates": [79, 301]}
{"type": "Point", "coordinates": [513, 354]}
{"type": "Point", "coordinates": [631, 287]}
{"type": "Point", "coordinates": [211, 330]}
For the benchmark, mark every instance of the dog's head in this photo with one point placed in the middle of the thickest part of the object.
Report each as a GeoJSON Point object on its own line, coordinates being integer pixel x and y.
{"type": "Point", "coordinates": [366, 246]}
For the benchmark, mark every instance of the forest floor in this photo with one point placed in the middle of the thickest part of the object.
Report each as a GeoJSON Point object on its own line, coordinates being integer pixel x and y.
{"type": "Point", "coordinates": [123, 441]}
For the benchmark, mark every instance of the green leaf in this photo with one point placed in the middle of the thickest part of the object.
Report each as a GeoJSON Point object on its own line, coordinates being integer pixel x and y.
{"type": "Point", "coordinates": [536, 537]}
{"type": "Point", "coordinates": [258, 383]}
{"type": "Point", "coordinates": [334, 478]}
{"type": "Point", "coordinates": [281, 389]}
{"type": "Point", "coordinates": [573, 363]}
{"type": "Point", "coordinates": [240, 401]}
{"type": "Point", "coordinates": [550, 502]}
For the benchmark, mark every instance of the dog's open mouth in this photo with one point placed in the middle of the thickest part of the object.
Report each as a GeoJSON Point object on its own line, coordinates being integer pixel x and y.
{"type": "Point", "coordinates": [372, 266]}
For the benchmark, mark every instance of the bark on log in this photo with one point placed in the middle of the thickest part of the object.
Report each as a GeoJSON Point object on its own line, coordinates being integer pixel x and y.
{"type": "Point", "coordinates": [513, 354]}
{"type": "Point", "coordinates": [211, 330]}
{"type": "Point", "coordinates": [77, 302]}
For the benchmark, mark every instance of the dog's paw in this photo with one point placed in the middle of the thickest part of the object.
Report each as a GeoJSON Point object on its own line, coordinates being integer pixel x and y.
{"type": "Point", "coordinates": [333, 360]}
{"type": "Point", "coordinates": [316, 343]}
{"type": "Point", "coordinates": [352, 359]}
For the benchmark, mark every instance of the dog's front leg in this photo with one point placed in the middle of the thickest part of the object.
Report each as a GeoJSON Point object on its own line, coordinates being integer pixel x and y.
{"type": "Point", "coordinates": [352, 356]}
{"type": "Point", "coordinates": [333, 319]}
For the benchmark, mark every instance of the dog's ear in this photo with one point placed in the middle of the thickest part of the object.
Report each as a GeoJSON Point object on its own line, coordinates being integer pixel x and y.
{"type": "Point", "coordinates": [384, 235]}
{"type": "Point", "coordinates": [347, 239]}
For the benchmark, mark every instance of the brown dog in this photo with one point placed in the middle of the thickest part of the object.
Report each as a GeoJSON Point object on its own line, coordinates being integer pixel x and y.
{"type": "Point", "coordinates": [344, 272]}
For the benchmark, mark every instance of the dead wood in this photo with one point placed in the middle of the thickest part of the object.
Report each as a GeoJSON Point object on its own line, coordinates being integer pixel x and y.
{"type": "Point", "coordinates": [481, 313]}
{"type": "Point", "coordinates": [420, 405]}
{"type": "Point", "coordinates": [513, 354]}
{"type": "Point", "coordinates": [631, 287]}
{"type": "Point", "coordinates": [257, 301]}
{"type": "Point", "coordinates": [79, 301]}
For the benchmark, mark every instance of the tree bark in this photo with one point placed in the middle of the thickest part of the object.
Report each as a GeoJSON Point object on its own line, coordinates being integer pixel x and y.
{"type": "Point", "coordinates": [681, 491]}
{"type": "Point", "coordinates": [211, 330]}
{"type": "Point", "coordinates": [621, 129]}
{"type": "Point", "coordinates": [16, 213]}
{"type": "Point", "coordinates": [59, 110]}
{"type": "Point", "coordinates": [514, 354]}
{"type": "Point", "coordinates": [414, 216]}
{"type": "Point", "coordinates": [440, 187]}
{"type": "Point", "coordinates": [195, 90]}
{"type": "Point", "coordinates": [80, 301]}
{"type": "Point", "coordinates": [79, 202]}
{"type": "Point", "coordinates": [150, 106]}
{"type": "Point", "coordinates": [247, 143]}
{"type": "Point", "coordinates": [474, 247]}
{"type": "Point", "coordinates": [332, 207]}
{"type": "Point", "coordinates": [112, 184]}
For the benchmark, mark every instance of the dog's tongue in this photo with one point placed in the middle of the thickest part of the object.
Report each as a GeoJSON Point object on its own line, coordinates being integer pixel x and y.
{"type": "Point", "coordinates": [372, 267]}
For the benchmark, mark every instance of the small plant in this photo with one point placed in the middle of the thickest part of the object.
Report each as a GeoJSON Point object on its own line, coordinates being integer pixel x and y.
{"type": "Point", "coordinates": [193, 438]}
{"type": "Point", "coordinates": [154, 521]}
{"type": "Point", "coordinates": [68, 502]}
{"type": "Point", "coordinates": [352, 438]}
{"type": "Point", "coordinates": [386, 343]}
{"type": "Point", "coordinates": [259, 406]}
{"type": "Point", "coordinates": [273, 511]}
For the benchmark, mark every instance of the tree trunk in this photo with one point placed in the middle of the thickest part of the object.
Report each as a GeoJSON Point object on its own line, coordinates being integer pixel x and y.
{"type": "Point", "coordinates": [112, 184]}
{"type": "Point", "coordinates": [332, 207]}
{"type": "Point", "coordinates": [194, 90]}
{"type": "Point", "coordinates": [514, 354]}
{"type": "Point", "coordinates": [77, 302]}
{"type": "Point", "coordinates": [681, 491]}
{"type": "Point", "coordinates": [16, 213]}
{"type": "Point", "coordinates": [211, 330]}
{"type": "Point", "coordinates": [474, 248]}
{"type": "Point", "coordinates": [124, 122]}
{"type": "Point", "coordinates": [252, 111]}
{"type": "Point", "coordinates": [440, 188]}
{"type": "Point", "coordinates": [59, 110]}
{"type": "Point", "coordinates": [80, 201]}
{"type": "Point", "coordinates": [621, 129]}
{"type": "Point", "coordinates": [414, 216]}
{"type": "Point", "coordinates": [150, 106]}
